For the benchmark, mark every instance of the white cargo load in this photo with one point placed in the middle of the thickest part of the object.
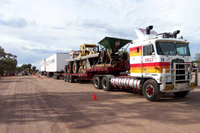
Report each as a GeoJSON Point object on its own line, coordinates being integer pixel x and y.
{"type": "Point", "coordinates": [56, 62]}
{"type": "Point", "coordinates": [43, 66]}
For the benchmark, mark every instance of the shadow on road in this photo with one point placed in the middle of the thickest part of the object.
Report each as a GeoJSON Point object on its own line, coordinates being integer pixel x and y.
{"type": "Point", "coordinates": [79, 108]}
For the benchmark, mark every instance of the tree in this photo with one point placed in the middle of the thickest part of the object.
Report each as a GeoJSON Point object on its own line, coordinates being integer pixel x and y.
{"type": "Point", "coordinates": [197, 58]}
{"type": "Point", "coordinates": [25, 66]}
{"type": "Point", "coordinates": [8, 62]}
{"type": "Point", "coordinates": [34, 68]}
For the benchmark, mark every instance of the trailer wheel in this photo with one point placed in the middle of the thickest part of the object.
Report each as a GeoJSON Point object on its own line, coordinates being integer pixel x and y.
{"type": "Point", "coordinates": [48, 74]}
{"type": "Point", "coordinates": [151, 90]}
{"type": "Point", "coordinates": [84, 66]}
{"type": "Point", "coordinates": [55, 76]}
{"type": "Point", "coordinates": [97, 82]}
{"type": "Point", "coordinates": [181, 94]}
{"type": "Point", "coordinates": [106, 85]}
{"type": "Point", "coordinates": [69, 67]}
{"type": "Point", "coordinates": [67, 78]}
{"type": "Point", "coordinates": [75, 67]}
{"type": "Point", "coordinates": [71, 79]}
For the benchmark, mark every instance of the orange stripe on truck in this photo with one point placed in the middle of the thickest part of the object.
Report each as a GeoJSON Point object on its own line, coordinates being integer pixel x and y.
{"type": "Point", "coordinates": [155, 67]}
{"type": "Point", "coordinates": [136, 51]}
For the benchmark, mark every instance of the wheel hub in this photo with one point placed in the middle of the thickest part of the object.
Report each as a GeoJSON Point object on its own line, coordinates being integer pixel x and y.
{"type": "Point", "coordinates": [149, 90]}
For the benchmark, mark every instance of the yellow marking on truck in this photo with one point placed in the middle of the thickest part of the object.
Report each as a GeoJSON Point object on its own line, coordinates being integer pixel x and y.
{"type": "Point", "coordinates": [193, 85]}
{"type": "Point", "coordinates": [169, 87]}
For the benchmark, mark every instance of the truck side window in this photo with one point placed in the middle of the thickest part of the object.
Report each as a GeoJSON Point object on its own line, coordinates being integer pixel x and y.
{"type": "Point", "coordinates": [148, 50]}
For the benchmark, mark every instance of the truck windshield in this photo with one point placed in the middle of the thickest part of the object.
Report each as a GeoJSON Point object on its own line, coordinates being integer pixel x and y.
{"type": "Point", "coordinates": [171, 48]}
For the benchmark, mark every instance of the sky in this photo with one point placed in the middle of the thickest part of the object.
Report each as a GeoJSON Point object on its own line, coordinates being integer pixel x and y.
{"type": "Point", "coordinates": [36, 29]}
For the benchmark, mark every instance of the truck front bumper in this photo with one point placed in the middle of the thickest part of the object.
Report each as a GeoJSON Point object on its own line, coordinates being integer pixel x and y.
{"type": "Point", "coordinates": [177, 87]}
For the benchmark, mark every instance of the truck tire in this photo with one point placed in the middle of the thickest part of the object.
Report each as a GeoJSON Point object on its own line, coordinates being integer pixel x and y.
{"type": "Point", "coordinates": [55, 76]}
{"type": "Point", "coordinates": [84, 66]}
{"type": "Point", "coordinates": [106, 85]}
{"type": "Point", "coordinates": [67, 78]}
{"type": "Point", "coordinates": [75, 67]}
{"type": "Point", "coordinates": [64, 78]}
{"type": "Point", "coordinates": [97, 82]}
{"type": "Point", "coordinates": [151, 90]}
{"type": "Point", "coordinates": [69, 68]}
{"type": "Point", "coordinates": [71, 79]}
{"type": "Point", "coordinates": [181, 94]}
{"type": "Point", "coordinates": [48, 74]}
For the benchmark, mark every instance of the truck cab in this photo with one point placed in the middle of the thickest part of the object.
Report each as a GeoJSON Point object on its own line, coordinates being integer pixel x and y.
{"type": "Point", "coordinates": [163, 58]}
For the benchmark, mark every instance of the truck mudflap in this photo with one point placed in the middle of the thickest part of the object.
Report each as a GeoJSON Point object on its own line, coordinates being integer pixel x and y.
{"type": "Point", "coordinates": [189, 83]}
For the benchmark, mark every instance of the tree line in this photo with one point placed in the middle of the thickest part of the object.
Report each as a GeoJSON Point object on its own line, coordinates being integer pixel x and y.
{"type": "Point", "coordinates": [8, 63]}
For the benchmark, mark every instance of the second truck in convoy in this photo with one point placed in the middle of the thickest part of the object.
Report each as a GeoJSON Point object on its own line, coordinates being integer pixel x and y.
{"type": "Point", "coordinates": [54, 65]}
{"type": "Point", "coordinates": [159, 63]}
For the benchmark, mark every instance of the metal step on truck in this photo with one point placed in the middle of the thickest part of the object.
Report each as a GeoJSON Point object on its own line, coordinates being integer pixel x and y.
{"type": "Point", "coordinates": [158, 63]}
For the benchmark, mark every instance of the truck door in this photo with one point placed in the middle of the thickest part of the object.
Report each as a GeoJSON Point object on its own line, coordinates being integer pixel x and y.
{"type": "Point", "coordinates": [148, 60]}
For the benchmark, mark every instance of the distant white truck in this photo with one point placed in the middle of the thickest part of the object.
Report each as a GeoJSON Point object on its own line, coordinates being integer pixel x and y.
{"type": "Point", "coordinates": [43, 67]}
{"type": "Point", "coordinates": [55, 64]}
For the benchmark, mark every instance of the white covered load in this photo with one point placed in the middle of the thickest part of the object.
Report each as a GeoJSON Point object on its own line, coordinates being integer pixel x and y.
{"type": "Point", "coordinates": [56, 62]}
{"type": "Point", "coordinates": [43, 66]}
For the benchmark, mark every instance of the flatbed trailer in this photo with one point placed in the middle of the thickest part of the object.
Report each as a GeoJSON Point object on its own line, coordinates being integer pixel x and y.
{"type": "Point", "coordinates": [93, 72]}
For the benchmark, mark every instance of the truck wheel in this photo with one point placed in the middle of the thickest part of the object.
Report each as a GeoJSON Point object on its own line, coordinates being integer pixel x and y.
{"type": "Point", "coordinates": [64, 78]}
{"type": "Point", "coordinates": [55, 76]}
{"type": "Point", "coordinates": [67, 78]}
{"type": "Point", "coordinates": [97, 82]}
{"type": "Point", "coordinates": [181, 94]}
{"type": "Point", "coordinates": [71, 79]}
{"type": "Point", "coordinates": [48, 74]}
{"type": "Point", "coordinates": [75, 67]}
{"type": "Point", "coordinates": [84, 66]}
{"type": "Point", "coordinates": [69, 67]}
{"type": "Point", "coordinates": [106, 85]}
{"type": "Point", "coordinates": [151, 90]}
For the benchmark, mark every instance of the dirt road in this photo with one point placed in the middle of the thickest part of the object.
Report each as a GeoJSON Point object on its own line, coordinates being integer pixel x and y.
{"type": "Point", "coordinates": [30, 104]}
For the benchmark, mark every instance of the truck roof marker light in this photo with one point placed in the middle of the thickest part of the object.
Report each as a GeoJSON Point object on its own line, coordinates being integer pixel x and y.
{"type": "Point", "coordinates": [148, 29]}
{"type": "Point", "coordinates": [175, 33]}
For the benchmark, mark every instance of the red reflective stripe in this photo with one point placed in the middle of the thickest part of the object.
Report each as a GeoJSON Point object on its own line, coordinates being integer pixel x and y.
{"type": "Point", "coordinates": [151, 64]}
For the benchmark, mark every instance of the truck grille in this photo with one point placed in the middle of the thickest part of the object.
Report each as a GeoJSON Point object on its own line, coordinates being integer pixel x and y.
{"type": "Point", "coordinates": [178, 72]}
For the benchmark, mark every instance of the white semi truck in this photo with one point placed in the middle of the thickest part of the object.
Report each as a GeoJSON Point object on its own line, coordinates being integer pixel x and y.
{"type": "Point", "coordinates": [54, 65]}
{"type": "Point", "coordinates": [159, 63]}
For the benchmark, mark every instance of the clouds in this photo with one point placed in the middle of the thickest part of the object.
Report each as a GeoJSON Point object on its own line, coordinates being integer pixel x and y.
{"type": "Point", "coordinates": [41, 28]}
{"type": "Point", "coordinates": [13, 22]}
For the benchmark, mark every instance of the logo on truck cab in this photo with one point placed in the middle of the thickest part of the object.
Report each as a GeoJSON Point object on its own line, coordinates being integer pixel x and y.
{"type": "Point", "coordinates": [149, 60]}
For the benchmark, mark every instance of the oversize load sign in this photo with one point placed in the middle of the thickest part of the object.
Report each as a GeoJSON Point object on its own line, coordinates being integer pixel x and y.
{"type": "Point", "coordinates": [152, 32]}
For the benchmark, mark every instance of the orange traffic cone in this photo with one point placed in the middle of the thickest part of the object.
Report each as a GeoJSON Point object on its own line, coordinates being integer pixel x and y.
{"type": "Point", "coordinates": [94, 98]}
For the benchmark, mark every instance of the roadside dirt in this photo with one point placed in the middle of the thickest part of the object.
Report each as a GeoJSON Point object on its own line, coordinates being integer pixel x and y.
{"type": "Point", "coordinates": [31, 104]}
